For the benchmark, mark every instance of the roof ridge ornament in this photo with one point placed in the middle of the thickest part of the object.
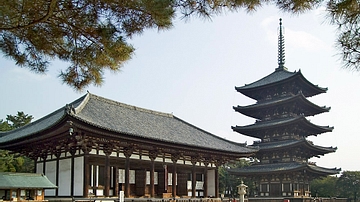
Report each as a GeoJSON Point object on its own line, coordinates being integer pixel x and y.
{"type": "Point", "coordinates": [281, 49]}
{"type": "Point", "coordinates": [69, 109]}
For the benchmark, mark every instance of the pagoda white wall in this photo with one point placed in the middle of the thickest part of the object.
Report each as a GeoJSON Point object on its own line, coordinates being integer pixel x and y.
{"type": "Point", "coordinates": [64, 177]}
{"type": "Point", "coordinates": [78, 176]}
{"type": "Point", "coordinates": [211, 182]}
{"type": "Point", "coordinates": [50, 173]}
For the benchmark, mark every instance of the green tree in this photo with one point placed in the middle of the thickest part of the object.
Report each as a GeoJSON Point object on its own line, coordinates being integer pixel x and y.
{"type": "Point", "coordinates": [91, 35]}
{"type": "Point", "coordinates": [348, 184]}
{"type": "Point", "coordinates": [21, 119]}
{"type": "Point", "coordinates": [346, 14]}
{"type": "Point", "coordinates": [14, 162]}
{"type": "Point", "coordinates": [324, 187]}
{"type": "Point", "coordinates": [4, 125]}
{"type": "Point", "coordinates": [228, 183]}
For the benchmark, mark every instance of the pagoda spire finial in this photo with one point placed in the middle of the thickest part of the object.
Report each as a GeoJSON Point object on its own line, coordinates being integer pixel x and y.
{"type": "Point", "coordinates": [281, 49]}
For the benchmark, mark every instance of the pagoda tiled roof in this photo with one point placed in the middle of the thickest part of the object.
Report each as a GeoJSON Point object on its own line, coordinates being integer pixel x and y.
{"type": "Point", "coordinates": [132, 121]}
{"type": "Point", "coordinates": [260, 169]}
{"type": "Point", "coordinates": [259, 127]}
{"type": "Point", "coordinates": [280, 76]}
{"type": "Point", "coordinates": [252, 110]}
{"type": "Point", "coordinates": [283, 144]}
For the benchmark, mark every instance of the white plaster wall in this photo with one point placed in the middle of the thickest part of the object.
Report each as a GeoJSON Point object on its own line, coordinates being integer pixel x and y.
{"type": "Point", "coordinates": [50, 172]}
{"type": "Point", "coordinates": [39, 168]}
{"type": "Point", "coordinates": [211, 182]}
{"type": "Point", "coordinates": [78, 176]}
{"type": "Point", "coordinates": [131, 177]}
{"type": "Point", "coordinates": [121, 176]}
{"type": "Point", "coordinates": [64, 177]}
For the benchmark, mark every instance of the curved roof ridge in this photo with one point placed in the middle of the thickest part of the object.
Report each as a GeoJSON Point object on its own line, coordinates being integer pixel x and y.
{"type": "Point", "coordinates": [9, 180]}
{"type": "Point", "coordinates": [321, 147]}
{"type": "Point", "coordinates": [278, 77]}
{"type": "Point", "coordinates": [83, 103]}
{"type": "Point", "coordinates": [116, 103]}
{"type": "Point", "coordinates": [285, 98]}
{"type": "Point", "coordinates": [274, 77]}
{"type": "Point", "coordinates": [292, 142]}
{"type": "Point", "coordinates": [281, 167]}
{"type": "Point", "coordinates": [321, 88]}
{"type": "Point", "coordinates": [42, 123]}
{"type": "Point", "coordinates": [323, 169]}
{"type": "Point", "coordinates": [262, 125]}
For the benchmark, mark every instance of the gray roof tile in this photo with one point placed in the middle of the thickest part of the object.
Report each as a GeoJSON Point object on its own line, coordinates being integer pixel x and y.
{"type": "Point", "coordinates": [281, 167]}
{"type": "Point", "coordinates": [274, 77]}
{"type": "Point", "coordinates": [130, 120]}
{"type": "Point", "coordinates": [135, 121]}
{"type": "Point", "coordinates": [24, 180]}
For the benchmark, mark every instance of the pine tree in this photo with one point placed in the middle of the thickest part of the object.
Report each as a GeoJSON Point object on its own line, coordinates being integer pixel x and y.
{"type": "Point", "coordinates": [10, 162]}
{"type": "Point", "coordinates": [91, 35]}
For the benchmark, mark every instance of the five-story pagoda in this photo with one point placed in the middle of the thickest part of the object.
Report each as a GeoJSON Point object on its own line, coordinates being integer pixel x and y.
{"type": "Point", "coordinates": [281, 125]}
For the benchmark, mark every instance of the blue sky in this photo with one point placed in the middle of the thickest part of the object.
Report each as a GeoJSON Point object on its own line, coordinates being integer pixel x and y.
{"type": "Point", "coordinates": [191, 71]}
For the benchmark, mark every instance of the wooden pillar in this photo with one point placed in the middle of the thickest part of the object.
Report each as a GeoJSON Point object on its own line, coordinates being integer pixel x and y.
{"type": "Point", "coordinates": [86, 176]}
{"type": "Point", "coordinates": [108, 148]}
{"type": "Point", "coordinates": [152, 155]}
{"type": "Point", "coordinates": [217, 182]}
{"type": "Point", "coordinates": [127, 177]}
{"type": "Point", "coordinates": [87, 173]}
{"type": "Point", "coordinates": [44, 156]}
{"type": "Point", "coordinates": [205, 179]}
{"type": "Point", "coordinates": [72, 186]}
{"type": "Point", "coordinates": [107, 175]}
{"type": "Point", "coordinates": [127, 152]}
{"type": "Point", "coordinates": [193, 178]}
{"type": "Point", "coordinates": [116, 181]}
{"type": "Point", "coordinates": [174, 159]}
{"type": "Point", "coordinates": [57, 154]}
{"type": "Point", "coordinates": [174, 180]}
{"type": "Point", "coordinates": [152, 179]}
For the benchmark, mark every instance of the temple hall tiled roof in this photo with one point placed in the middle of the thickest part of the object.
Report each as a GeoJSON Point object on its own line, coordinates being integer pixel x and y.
{"type": "Point", "coordinates": [129, 120]}
{"type": "Point", "coordinates": [10, 180]}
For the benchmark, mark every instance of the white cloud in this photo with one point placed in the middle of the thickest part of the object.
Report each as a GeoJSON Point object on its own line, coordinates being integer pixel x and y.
{"type": "Point", "coordinates": [307, 41]}
{"type": "Point", "coordinates": [293, 39]}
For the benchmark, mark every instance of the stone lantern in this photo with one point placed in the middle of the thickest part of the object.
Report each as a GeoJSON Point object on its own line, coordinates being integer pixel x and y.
{"type": "Point", "coordinates": [242, 191]}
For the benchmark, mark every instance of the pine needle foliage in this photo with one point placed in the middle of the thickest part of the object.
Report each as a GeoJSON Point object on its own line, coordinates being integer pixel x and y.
{"type": "Point", "coordinates": [91, 35]}
{"type": "Point", "coordinates": [12, 162]}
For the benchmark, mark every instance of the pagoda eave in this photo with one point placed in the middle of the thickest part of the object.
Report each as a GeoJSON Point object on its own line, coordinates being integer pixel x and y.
{"type": "Point", "coordinates": [279, 78]}
{"type": "Point", "coordinates": [288, 144]}
{"type": "Point", "coordinates": [260, 127]}
{"type": "Point", "coordinates": [261, 169]}
{"type": "Point", "coordinates": [310, 109]}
